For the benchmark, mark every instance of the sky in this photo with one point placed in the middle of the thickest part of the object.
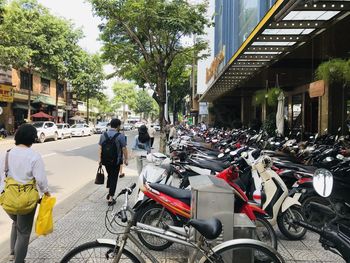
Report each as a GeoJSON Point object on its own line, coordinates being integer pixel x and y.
{"type": "Point", "coordinates": [80, 13]}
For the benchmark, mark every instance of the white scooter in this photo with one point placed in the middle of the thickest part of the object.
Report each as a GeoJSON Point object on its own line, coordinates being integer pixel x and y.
{"type": "Point", "coordinates": [276, 201]}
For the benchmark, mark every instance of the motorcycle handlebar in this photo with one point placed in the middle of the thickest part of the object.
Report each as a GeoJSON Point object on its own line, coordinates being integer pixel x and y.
{"type": "Point", "coordinates": [123, 216]}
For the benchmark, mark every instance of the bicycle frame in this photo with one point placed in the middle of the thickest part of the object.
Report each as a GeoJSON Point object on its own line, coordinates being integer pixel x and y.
{"type": "Point", "coordinates": [177, 235]}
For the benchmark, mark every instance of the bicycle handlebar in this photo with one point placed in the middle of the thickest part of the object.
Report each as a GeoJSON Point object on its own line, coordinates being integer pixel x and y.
{"type": "Point", "coordinates": [126, 191]}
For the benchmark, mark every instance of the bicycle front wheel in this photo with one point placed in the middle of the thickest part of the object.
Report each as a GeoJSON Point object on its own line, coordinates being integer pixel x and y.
{"type": "Point", "coordinates": [97, 252]}
{"type": "Point", "coordinates": [244, 250]}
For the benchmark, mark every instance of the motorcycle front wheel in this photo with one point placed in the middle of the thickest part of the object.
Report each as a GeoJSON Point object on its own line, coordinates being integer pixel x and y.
{"type": "Point", "coordinates": [290, 230]}
{"type": "Point", "coordinates": [155, 215]}
{"type": "Point", "coordinates": [265, 232]}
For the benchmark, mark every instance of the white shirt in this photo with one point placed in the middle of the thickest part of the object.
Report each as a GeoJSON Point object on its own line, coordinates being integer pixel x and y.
{"type": "Point", "coordinates": [24, 164]}
{"type": "Point", "coordinates": [151, 132]}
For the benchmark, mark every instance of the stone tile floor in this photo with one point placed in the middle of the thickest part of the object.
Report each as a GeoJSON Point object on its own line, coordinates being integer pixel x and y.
{"type": "Point", "coordinates": [86, 222]}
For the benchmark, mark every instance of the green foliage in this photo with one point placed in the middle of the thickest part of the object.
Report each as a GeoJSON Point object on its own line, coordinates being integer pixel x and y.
{"type": "Point", "coordinates": [88, 80]}
{"type": "Point", "coordinates": [259, 97]}
{"type": "Point", "coordinates": [124, 93]}
{"type": "Point", "coordinates": [142, 38]}
{"type": "Point", "coordinates": [271, 97]}
{"type": "Point", "coordinates": [269, 124]}
{"type": "Point", "coordinates": [335, 70]}
{"type": "Point", "coordinates": [143, 102]}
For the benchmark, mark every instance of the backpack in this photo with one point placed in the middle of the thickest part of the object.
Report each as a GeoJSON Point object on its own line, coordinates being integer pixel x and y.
{"type": "Point", "coordinates": [111, 150]}
{"type": "Point", "coordinates": [17, 198]}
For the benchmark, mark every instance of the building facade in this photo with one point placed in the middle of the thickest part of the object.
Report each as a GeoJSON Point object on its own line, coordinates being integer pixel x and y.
{"type": "Point", "coordinates": [262, 45]}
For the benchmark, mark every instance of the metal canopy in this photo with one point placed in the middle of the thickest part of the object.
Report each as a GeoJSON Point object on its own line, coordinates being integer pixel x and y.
{"type": "Point", "coordinates": [287, 26]}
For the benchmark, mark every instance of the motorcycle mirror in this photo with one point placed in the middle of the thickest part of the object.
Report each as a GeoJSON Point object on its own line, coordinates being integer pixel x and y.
{"type": "Point", "coordinates": [323, 182]}
{"type": "Point", "coordinates": [340, 156]}
{"type": "Point", "coordinates": [233, 153]}
{"type": "Point", "coordinates": [227, 150]}
{"type": "Point", "coordinates": [220, 155]}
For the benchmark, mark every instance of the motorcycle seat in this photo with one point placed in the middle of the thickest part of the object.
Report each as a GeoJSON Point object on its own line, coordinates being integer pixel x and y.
{"type": "Point", "coordinates": [209, 164]}
{"type": "Point", "coordinates": [182, 194]}
{"type": "Point", "coordinates": [210, 228]}
{"type": "Point", "coordinates": [295, 167]}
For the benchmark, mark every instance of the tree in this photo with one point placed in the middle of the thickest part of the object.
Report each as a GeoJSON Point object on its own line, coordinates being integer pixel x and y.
{"type": "Point", "coordinates": [143, 103]}
{"type": "Point", "coordinates": [88, 78]}
{"type": "Point", "coordinates": [143, 37]}
{"type": "Point", "coordinates": [21, 37]}
{"type": "Point", "coordinates": [124, 94]}
{"type": "Point", "coordinates": [179, 83]}
{"type": "Point", "coordinates": [104, 106]}
{"type": "Point", "coordinates": [61, 42]}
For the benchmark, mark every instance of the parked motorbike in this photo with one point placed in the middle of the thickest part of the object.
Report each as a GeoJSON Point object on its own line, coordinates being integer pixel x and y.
{"type": "Point", "coordinates": [335, 234]}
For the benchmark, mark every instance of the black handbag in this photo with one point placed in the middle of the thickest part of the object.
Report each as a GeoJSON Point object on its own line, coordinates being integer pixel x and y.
{"type": "Point", "coordinates": [100, 175]}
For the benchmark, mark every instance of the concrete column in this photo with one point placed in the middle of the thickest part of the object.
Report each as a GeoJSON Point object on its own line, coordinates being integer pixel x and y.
{"type": "Point", "coordinates": [246, 110]}
{"type": "Point", "coordinates": [323, 111]}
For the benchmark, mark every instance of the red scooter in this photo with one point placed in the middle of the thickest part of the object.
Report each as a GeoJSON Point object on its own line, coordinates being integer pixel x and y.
{"type": "Point", "coordinates": [170, 205]}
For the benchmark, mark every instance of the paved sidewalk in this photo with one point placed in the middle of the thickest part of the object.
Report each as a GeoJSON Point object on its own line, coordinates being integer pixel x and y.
{"type": "Point", "coordinates": [85, 222]}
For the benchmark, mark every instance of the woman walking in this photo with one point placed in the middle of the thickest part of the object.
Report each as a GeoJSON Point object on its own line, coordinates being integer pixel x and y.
{"type": "Point", "coordinates": [141, 146]}
{"type": "Point", "coordinates": [23, 165]}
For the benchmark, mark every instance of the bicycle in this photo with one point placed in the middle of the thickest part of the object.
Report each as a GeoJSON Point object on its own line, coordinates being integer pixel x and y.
{"type": "Point", "coordinates": [107, 250]}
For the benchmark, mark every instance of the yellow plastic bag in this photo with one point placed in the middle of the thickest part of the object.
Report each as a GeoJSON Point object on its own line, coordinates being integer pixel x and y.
{"type": "Point", "coordinates": [44, 220]}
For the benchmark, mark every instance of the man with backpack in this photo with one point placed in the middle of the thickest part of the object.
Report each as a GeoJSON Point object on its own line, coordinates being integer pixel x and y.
{"type": "Point", "coordinates": [112, 150]}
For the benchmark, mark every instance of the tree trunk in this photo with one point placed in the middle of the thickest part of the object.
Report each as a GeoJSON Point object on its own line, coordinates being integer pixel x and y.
{"type": "Point", "coordinates": [162, 99]}
{"type": "Point", "coordinates": [30, 95]}
{"type": "Point", "coordinates": [56, 107]}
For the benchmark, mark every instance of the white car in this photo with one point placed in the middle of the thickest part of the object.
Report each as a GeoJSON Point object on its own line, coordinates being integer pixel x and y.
{"type": "Point", "coordinates": [81, 129]}
{"type": "Point", "coordinates": [46, 130]}
{"type": "Point", "coordinates": [64, 130]}
{"type": "Point", "coordinates": [138, 124]}
{"type": "Point", "coordinates": [156, 127]}
{"type": "Point", "coordinates": [101, 127]}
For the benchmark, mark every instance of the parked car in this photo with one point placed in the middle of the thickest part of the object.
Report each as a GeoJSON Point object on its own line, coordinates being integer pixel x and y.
{"type": "Point", "coordinates": [64, 130]}
{"type": "Point", "coordinates": [139, 124]}
{"type": "Point", "coordinates": [156, 127]}
{"type": "Point", "coordinates": [101, 127]}
{"type": "Point", "coordinates": [80, 129]}
{"type": "Point", "coordinates": [127, 127]}
{"type": "Point", "coordinates": [46, 130]}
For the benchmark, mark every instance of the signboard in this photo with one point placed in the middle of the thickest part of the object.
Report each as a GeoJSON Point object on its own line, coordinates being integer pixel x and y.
{"type": "Point", "coordinates": [6, 76]}
{"type": "Point", "coordinates": [212, 71]}
{"type": "Point", "coordinates": [6, 93]}
{"type": "Point", "coordinates": [317, 89]}
{"type": "Point", "coordinates": [203, 108]}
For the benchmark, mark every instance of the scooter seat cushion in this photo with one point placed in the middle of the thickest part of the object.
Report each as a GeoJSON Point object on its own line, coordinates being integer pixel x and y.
{"type": "Point", "coordinates": [182, 194]}
{"type": "Point", "coordinates": [210, 228]}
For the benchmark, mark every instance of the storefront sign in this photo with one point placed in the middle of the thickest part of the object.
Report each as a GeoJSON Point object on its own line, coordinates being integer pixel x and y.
{"type": "Point", "coordinates": [317, 89]}
{"type": "Point", "coordinates": [6, 76]}
{"type": "Point", "coordinates": [203, 108]}
{"type": "Point", "coordinates": [212, 71]}
{"type": "Point", "coordinates": [6, 93]}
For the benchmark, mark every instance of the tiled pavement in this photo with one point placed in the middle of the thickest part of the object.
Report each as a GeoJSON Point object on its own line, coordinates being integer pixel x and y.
{"type": "Point", "coordinates": [85, 222]}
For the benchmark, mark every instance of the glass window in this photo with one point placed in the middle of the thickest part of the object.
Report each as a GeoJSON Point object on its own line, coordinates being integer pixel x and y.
{"type": "Point", "coordinates": [248, 18]}
{"type": "Point", "coordinates": [297, 111]}
{"type": "Point", "coordinates": [60, 90]}
{"type": "Point", "coordinates": [26, 80]}
{"type": "Point", "coordinates": [45, 86]}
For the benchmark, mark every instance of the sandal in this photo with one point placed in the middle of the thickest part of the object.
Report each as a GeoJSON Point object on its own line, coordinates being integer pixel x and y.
{"type": "Point", "coordinates": [121, 175]}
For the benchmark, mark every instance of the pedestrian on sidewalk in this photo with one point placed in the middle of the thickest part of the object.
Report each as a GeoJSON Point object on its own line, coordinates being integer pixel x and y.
{"type": "Point", "coordinates": [113, 143]}
{"type": "Point", "coordinates": [172, 132]}
{"type": "Point", "coordinates": [152, 134]}
{"type": "Point", "coordinates": [167, 130]}
{"type": "Point", "coordinates": [23, 165]}
{"type": "Point", "coordinates": [141, 146]}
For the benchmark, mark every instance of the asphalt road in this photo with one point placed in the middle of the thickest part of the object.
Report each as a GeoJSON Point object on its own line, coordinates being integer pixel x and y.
{"type": "Point", "coordinates": [70, 165]}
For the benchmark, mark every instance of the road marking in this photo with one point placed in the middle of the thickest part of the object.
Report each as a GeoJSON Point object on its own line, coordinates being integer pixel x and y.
{"type": "Point", "coordinates": [48, 155]}
{"type": "Point", "coordinates": [72, 149]}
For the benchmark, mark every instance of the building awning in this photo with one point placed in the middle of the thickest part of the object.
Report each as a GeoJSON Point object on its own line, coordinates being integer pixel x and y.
{"type": "Point", "coordinates": [22, 106]}
{"type": "Point", "coordinates": [48, 100]}
{"type": "Point", "coordinates": [288, 25]}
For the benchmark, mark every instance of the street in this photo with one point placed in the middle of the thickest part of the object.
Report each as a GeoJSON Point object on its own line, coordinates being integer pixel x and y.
{"type": "Point", "coordinates": [70, 164]}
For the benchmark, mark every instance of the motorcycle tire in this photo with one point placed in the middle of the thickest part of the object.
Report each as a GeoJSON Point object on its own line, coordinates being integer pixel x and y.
{"type": "Point", "coordinates": [265, 232]}
{"type": "Point", "coordinates": [286, 227]}
{"type": "Point", "coordinates": [155, 215]}
{"type": "Point", "coordinates": [312, 217]}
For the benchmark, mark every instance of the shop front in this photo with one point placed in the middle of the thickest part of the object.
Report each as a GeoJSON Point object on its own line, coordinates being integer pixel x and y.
{"type": "Point", "coordinates": [285, 52]}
